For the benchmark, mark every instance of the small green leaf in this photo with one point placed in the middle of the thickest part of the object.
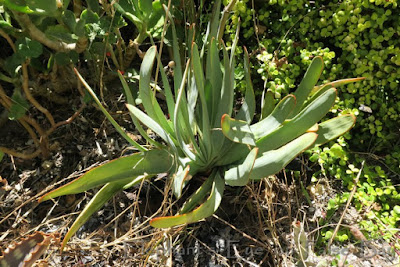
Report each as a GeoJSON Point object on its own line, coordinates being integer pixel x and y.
{"type": "Point", "coordinates": [1, 155]}
{"type": "Point", "coordinates": [237, 131]}
{"type": "Point", "coordinates": [18, 107]}
{"type": "Point", "coordinates": [29, 48]}
{"type": "Point", "coordinates": [205, 210]}
{"type": "Point", "coordinates": [60, 33]}
{"type": "Point", "coordinates": [69, 20]}
{"type": "Point", "coordinates": [240, 175]}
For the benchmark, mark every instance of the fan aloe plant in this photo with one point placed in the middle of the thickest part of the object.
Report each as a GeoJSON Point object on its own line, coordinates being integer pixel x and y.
{"type": "Point", "coordinates": [203, 135]}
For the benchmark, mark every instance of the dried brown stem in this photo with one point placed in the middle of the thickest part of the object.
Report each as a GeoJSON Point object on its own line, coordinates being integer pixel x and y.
{"type": "Point", "coordinates": [9, 41]}
{"type": "Point", "coordinates": [22, 155]}
{"type": "Point", "coordinates": [25, 87]}
{"type": "Point", "coordinates": [38, 35]}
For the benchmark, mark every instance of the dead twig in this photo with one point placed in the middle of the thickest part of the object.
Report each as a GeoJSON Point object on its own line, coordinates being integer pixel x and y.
{"type": "Point", "coordinates": [353, 191]}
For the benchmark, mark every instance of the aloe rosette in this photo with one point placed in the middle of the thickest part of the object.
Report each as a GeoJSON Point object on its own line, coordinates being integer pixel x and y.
{"type": "Point", "coordinates": [205, 136]}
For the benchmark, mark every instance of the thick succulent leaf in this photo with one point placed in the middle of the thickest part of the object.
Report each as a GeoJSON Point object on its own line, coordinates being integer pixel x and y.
{"type": "Point", "coordinates": [205, 119]}
{"type": "Point", "coordinates": [182, 126]}
{"type": "Point", "coordinates": [336, 84]}
{"type": "Point", "coordinates": [153, 125]}
{"type": "Point", "coordinates": [248, 107]}
{"type": "Point", "coordinates": [319, 90]}
{"type": "Point", "coordinates": [275, 119]}
{"type": "Point", "coordinates": [177, 56]}
{"type": "Point", "coordinates": [197, 196]}
{"type": "Point", "coordinates": [109, 117]}
{"type": "Point", "coordinates": [214, 77]}
{"type": "Point", "coordinates": [226, 99]}
{"type": "Point", "coordinates": [273, 161]}
{"type": "Point", "coordinates": [333, 128]}
{"type": "Point", "coordinates": [310, 115]}
{"type": "Point", "coordinates": [213, 24]}
{"type": "Point", "coordinates": [313, 128]}
{"type": "Point", "coordinates": [203, 211]}
{"type": "Point", "coordinates": [168, 93]}
{"type": "Point", "coordinates": [240, 175]}
{"type": "Point", "coordinates": [267, 104]}
{"type": "Point", "coordinates": [135, 121]}
{"type": "Point", "coordinates": [237, 131]}
{"type": "Point", "coordinates": [310, 79]}
{"type": "Point", "coordinates": [150, 162]}
{"type": "Point", "coordinates": [147, 96]}
{"type": "Point", "coordinates": [98, 201]}
{"type": "Point", "coordinates": [179, 179]}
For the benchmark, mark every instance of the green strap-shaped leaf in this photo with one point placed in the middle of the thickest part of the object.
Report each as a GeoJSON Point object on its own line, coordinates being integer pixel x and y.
{"type": "Point", "coordinates": [310, 79]}
{"type": "Point", "coordinates": [214, 78]}
{"type": "Point", "coordinates": [248, 107]}
{"type": "Point", "coordinates": [205, 119]}
{"type": "Point", "coordinates": [169, 97]}
{"type": "Point", "coordinates": [319, 90]}
{"type": "Point", "coordinates": [310, 115]}
{"type": "Point", "coordinates": [197, 196]}
{"type": "Point", "coordinates": [153, 125]}
{"type": "Point", "coordinates": [336, 84]}
{"type": "Point", "coordinates": [147, 96]}
{"type": "Point", "coordinates": [240, 175]}
{"type": "Point", "coordinates": [273, 161]}
{"type": "Point", "coordinates": [333, 128]}
{"type": "Point", "coordinates": [275, 119]}
{"type": "Point", "coordinates": [177, 57]}
{"type": "Point", "coordinates": [267, 104]}
{"type": "Point", "coordinates": [150, 162]}
{"type": "Point", "coordinates": [182, 126]}
{"type": "Point", "coordinates": [299, 124]}
{"type": "Point", "coordinates": [226, 99]}
{"type": "Point", "coordinates": [237, 131]}
{"type": "Point", "coordinates": [109, 117]}
{"type": "Point", "coordinates": [179, 180]}
{"type": "Point", "coordinates": [203, 211]}
{"type": "Point", "coordinates": [98, 201]}
{"type": "Point", "coordinates": [131, 101]}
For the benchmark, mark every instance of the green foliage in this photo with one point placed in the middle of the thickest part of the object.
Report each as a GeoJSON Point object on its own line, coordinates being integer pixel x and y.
{"type": "Point", "coordinates": [202, 138]}
{"type": "Point", "coordinates": [354, 38]}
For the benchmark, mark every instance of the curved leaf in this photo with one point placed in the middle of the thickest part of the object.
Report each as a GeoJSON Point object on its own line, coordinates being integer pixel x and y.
{"type": "Point", "coordinates": [237, 131]}
{"type": "Point", "coordinates": [308, 82]}
{"type": "Point", "coordinates": [275, 119]}
{"type": "Point", "coordinates": [240, 175]}
{"type": "Point", "coordinates": [203, 211]}
{"type": "Point", "coordinates": [273, 161]}
{"type": "Point", "coordinates": [333, 128]}
{"type": "Point", "coordinates": [150, 162]}
{"type": "Point", "coordinates": [98, 201]}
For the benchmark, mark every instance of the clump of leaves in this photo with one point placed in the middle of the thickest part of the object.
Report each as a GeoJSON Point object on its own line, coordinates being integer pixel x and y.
{"type": "Point", "coordinates": [205, 136]}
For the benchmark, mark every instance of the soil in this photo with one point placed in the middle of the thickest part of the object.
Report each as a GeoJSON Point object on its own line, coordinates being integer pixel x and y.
{"type": "Point", "coordinates": [253, 226]}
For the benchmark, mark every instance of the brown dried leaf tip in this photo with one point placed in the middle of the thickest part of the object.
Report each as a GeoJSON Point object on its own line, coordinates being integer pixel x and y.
{"type": "Point", "coordinates": [27, 251]}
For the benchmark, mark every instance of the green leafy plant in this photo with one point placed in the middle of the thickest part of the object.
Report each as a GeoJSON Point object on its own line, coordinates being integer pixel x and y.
{"type": "Point", "coordinates": [204, 136]}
